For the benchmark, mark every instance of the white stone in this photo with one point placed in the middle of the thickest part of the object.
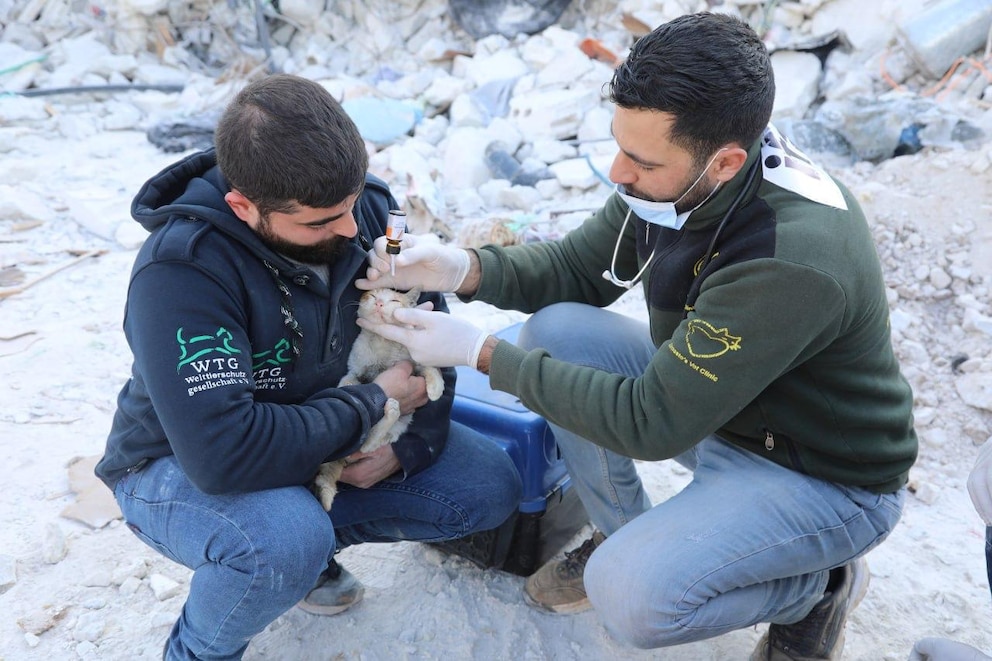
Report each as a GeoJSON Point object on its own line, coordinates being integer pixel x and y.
{"type": "Point", "coordinates": [99, 577]}
{"type": "Point", "coordinates": [926, 493]}
{"type": "Point", "coordinates": [596, 125]}
{"type": "Point", "coordinates": [976, 321]}
{"type": "Point", "coordinates": [18, 203]}
{"type": "Point", "coordinates": [136, 567]}
{"type": "Point", "coordinates": [20, 108]}
{"type": "Point", "coordinates": [151, 7]}
{"type": "Point", "coordinates": [524, 198]}
{"type": "Point", "coordinates": [53, 545]}
{"type": "Point", "coordinates": [564, 69]}
{"type": "Point", "coordinates": [31, 640]}
{"type": "Point", "coordinates": [554, 113]}
{"type": "Point", "coordinates": [550, 189]}
{"type": "Point", "coordinates": [797, 82]}
{"type": "Point", "coordinates": [463, 151]}
{"type": "Point", "coordinates": [501, 65]}
{"type": "Point", "coordinates": [491, 192]}
{"type": "Point", "coordinates": [551, 151]}
{"type": "Point", "coordinates": [303, 12]}
{"type": "Point", "coordinates": [431, 129]}
{"type": "Point", "coordinates": [8, 572]}
{"type": "Point", "coordinates": [939, 278]}
{"type": "Point", "coordinates": [924, 415]}
{"type": "Point", "coordinates": [869, 26]}
{"type": "Point", "coordinates": [87, 651]}
{"type": "Point", "coordinates": [465, 112]}
{"type": "Point", "coordinates": [504, 131]}
{"type": "Point", "coordinates": [444, 89]}
{"type": "Point", "coordinates": [164, 587]}
{"type": "Point", "coordinates": [121, 117]}
{"type": "Point", "coordinates": [900, 321]}
{"type": "Point", "coordinates": [97, 210]}
{"type": "Point", "coordinates": [129, 586]}
{"type": "Point", "coordinates": [975, 389]}
{"type": "Point", "coordinates": [130, 235]}
{"type": "Point", "coordinates": [466, 202]}
{"type": "Point", "coordinates": [76, 126]}
{"type": "Point", "coordinates": [578, 172]}
{"type": "Point", "coordinates": [89, 626]}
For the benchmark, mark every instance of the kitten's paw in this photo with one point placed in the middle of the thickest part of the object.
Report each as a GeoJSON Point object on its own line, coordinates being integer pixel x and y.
{"type": "Point", "coordinates": [325, 485]}
{"type": "Point", "coordinates": [384, 431]}
{"type": "Point", "coordinates": [435, 383]}
{"type": "Point", "coordinates": [348, 380]}
{"type": "Point", "coordinates": [392, 411]}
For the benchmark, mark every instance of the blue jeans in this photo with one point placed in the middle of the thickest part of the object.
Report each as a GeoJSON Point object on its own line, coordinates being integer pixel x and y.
{"type": "Point", "coordinates": [254, 555]}
{"type": "Point", "coordinates": [746, 541]}
{"type": "Point", "coordinates": [988, 554]}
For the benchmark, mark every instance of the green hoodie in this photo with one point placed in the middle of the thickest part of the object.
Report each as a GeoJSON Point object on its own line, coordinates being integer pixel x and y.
{"type": "Point", "coordinates": [780, 343]}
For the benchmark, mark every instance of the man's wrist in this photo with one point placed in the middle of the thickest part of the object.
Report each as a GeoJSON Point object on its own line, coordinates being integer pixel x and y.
{"type": "Point", "coordinates": [486, 354]}
{"type": "Point", "coordinates": [470, 283]}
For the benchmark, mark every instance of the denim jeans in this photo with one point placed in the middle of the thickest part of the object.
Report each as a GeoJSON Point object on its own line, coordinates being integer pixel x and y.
{"type": "Point", "coordinates": [988, 554]}
{"type": "Point", "coordinates": [746, 541]}
{"type": "Point", "coordinates": [254, 555]}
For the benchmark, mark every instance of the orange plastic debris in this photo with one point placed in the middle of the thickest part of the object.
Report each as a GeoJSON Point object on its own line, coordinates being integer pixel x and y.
{"type": "Point", "coordinates": [595, 50]}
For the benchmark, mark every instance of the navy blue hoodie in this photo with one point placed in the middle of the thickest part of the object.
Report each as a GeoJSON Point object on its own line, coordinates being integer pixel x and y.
{"type": "Point", "coordinates": [210, 319]}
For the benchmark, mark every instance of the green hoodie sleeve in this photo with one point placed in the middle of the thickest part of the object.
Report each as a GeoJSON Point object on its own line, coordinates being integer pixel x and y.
{"type": "Point", "coordinates": [717, 361]}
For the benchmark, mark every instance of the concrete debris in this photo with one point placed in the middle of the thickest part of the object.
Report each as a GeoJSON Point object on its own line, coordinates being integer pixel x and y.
{"type": "Point", "coordinates": [8, 572]}
{"type": "Point", "coordinates": [871, 90]}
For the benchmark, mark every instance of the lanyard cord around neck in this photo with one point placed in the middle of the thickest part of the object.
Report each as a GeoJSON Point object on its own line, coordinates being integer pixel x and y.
{"type": "Point", "coordinates": [752, 171]}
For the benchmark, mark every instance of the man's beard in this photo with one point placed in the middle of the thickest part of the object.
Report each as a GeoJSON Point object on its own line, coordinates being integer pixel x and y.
{"type": "Point", "coordinates": [322, 252]}
{"type": "Point", "coordinates": [693, 197]}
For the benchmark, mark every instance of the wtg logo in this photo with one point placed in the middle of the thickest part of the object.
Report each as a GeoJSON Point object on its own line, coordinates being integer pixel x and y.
{"type": "Point", "coordinates": [211, 372]}
{"type": "Point", "coordinates": [219, 342]}
{"type": "Point", "coordinates": [268, 365]}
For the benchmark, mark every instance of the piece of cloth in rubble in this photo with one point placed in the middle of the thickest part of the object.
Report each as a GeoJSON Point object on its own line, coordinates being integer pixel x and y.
{"type": "Point", "coordinates": [481, 18]}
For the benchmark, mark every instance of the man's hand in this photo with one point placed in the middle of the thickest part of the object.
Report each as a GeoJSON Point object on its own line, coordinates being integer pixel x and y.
{"type": "Point", "coordinates": [980, 483]}
{"type": "Point", "coordinates": [365, 469]}
{"type": "Point", "coordinates": [423, 263]}
{"type": "Point", "coordinates": [434, 339]}
{"type": "Point", "coordinates": [400, 383]}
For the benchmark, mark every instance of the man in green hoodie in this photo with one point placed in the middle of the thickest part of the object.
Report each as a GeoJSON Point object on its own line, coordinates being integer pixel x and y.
{"type": "Point", "coordinates": [766, 366]}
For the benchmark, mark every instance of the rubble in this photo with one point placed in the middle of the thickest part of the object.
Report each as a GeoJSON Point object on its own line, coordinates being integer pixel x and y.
{"type": "Point", "coordinates": [504, 138]}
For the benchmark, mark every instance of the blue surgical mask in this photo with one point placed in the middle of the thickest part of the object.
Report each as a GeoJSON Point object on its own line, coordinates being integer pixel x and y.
{"type": "Point", "coordinates": [664, 214]}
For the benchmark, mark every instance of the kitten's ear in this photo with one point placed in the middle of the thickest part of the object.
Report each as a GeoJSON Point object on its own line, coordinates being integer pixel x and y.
{"type": "Point", "coordinates": [413, 296]}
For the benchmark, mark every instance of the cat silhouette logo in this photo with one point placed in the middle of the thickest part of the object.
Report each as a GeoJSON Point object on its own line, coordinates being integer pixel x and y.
{"type": "Point", "coordinates": [705, 341]}
{"type": "Point", "coordinates": [199, 346]}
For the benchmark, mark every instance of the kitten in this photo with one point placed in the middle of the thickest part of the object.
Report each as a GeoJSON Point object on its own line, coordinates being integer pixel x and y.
{"type": "Point", "coordinates": [370, 356]}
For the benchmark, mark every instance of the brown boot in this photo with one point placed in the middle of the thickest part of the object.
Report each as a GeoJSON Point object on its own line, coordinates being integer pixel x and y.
{"type": "Point", "coordinates": [336, 590]}
{"type": "Point", "coordinates": [819, 635]}
{"type": "Point", "coordinates": [557, 586]}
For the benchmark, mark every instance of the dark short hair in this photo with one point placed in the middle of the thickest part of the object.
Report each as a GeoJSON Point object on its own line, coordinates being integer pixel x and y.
{"type": "Point", "coordinates": [284, 139]}
{"type": "Point", "coordinates": [711, 71]}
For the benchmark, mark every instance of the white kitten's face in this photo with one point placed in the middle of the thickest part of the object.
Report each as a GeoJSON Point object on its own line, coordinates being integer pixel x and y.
{"type": "Point", "coordinates": [378, 305]}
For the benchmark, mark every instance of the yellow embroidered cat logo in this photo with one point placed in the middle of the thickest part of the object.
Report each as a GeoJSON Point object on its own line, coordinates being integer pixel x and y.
{"type": "Point", "coordinates": [705, 341]}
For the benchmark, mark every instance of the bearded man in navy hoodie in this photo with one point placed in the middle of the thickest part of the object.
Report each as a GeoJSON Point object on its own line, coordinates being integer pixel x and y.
{"type": "Point", "coordinates": [240, 315]}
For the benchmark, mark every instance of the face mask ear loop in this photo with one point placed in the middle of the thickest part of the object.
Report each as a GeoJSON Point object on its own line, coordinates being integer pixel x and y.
{"type": "Point", "coordinates": [699, 178]}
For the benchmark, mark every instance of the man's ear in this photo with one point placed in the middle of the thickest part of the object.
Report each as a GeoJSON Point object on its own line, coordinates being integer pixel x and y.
{"type": "Point", "coordinates": [242, 207]}
{"type": "Point", "coordinates": [728, 163]}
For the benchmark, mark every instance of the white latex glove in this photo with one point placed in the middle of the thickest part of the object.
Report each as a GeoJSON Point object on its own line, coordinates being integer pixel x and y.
{"type": "Point", "coordinates": [423, 263]}
{"type": "Point", "coordinates": [434, 339]}
{"type": "Point", "coordinates": [941, 649]}
{"type": "Point", "coordinates": [980, 483]}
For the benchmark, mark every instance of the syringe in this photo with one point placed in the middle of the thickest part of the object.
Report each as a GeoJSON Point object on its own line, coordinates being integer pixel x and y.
{"type": "Point", "coordinates": [395, 227]}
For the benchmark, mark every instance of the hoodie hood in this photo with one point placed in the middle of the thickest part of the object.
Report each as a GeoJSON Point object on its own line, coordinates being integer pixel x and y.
{"type": "Point", "coordinates": [192, 187]}
{"type": "Point", "coordinates": [195, 187]}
